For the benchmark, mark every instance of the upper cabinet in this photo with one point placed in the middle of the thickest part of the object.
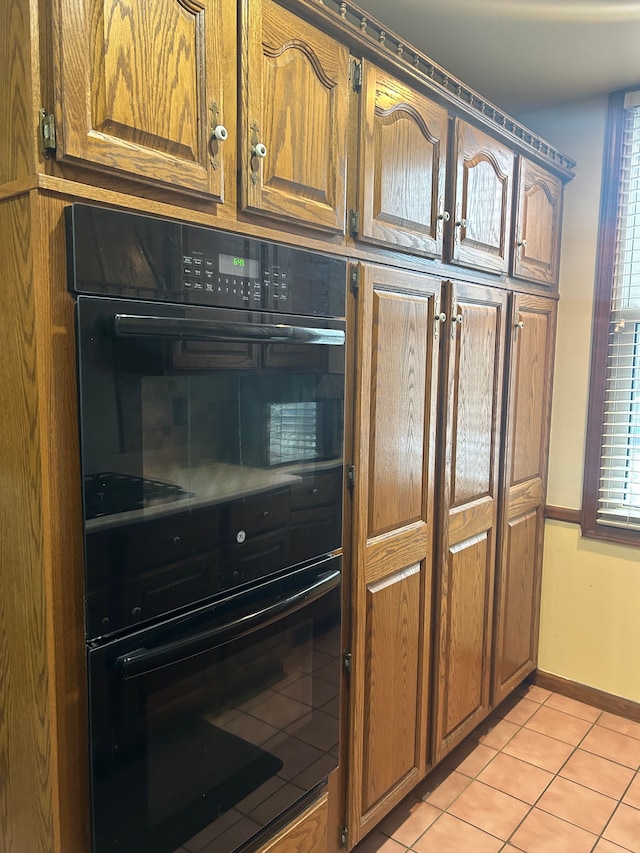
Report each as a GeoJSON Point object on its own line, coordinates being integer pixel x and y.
{"type": "Point", "coordinates": [139, 90]}
{"type": "Point", "coordinates": [538, 223]}
{"type": "Point", "coordinates": [295, 110]}
{"type": "Point", "coordinates": [401, 176]}
{"type": "Point", "coordinates": [483, 193]}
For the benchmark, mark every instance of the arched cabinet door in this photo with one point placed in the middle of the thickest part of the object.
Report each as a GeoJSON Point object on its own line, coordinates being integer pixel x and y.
{"type": "Point", "coordinates": [295, 109]}
{"type": "Point", "coordinates": [538, 224]}
{"type": "Point", "coordinates": [139, 90]}
{"type": "Point", "coordinates": [481, 213]}
{"type": "Point", "coordinates": [401, 178]}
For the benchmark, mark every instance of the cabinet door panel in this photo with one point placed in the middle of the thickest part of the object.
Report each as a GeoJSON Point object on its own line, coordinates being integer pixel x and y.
{"type": "Point", "coordinates": [398, 381]}
{"type": "Point", "coordinates": [467, 585]}
{"type": "Point", "coordinates": [392, 676]}
{"type": "Point", "coordinates": [471, 427]}
{"type": "Point", "coordinates": [482, 200]}
{"type": "Point", "coordinates": [526, 453]}
{"type": "Point", "coordinates": [134, 86]}
{"type": "Point", "coordinates": [519, 594]}
{"type": "Point", "coordinates": [530, 396]}
{"type": "Point", "coordinates": [538, 224]}
{"type": "Point", "coordinates": [295, 87]}
{"type": "Point", "coordinates": [403, 145]}
{"type": "Point", "coordinates": [392, 541]}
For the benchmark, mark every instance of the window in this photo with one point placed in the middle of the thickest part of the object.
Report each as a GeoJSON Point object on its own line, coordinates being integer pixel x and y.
{"type": "Point", "coordinates": [611, 499]}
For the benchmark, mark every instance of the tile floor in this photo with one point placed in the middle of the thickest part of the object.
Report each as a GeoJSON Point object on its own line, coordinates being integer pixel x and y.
{"type": "Point", "coordinates": [544, 774]}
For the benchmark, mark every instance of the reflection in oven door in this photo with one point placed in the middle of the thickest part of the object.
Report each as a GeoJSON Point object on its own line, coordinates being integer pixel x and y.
{"type": "Point", "coordinates": [208, 727]}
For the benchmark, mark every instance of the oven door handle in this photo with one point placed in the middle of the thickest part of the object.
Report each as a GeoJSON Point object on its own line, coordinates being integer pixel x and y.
{"type": "Point", "coordinates": [194, 329]}
{"type": "Point", "coordinates": [142, 661]}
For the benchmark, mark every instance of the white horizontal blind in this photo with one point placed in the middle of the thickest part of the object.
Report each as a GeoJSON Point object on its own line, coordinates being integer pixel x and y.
{"type": "Point", "coordinates": [619, 491]}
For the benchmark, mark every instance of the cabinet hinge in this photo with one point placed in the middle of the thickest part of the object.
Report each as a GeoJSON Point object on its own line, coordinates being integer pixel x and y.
{"type": "Point", "coordinates": [47, 132]}
{"type": "Point", "coordinates": [354, 222]}
{"type": "Point", "coordinates": [346, 662]}
{"type": "Point", "coordinates": [343, 837]}
{"type": "Point", "coordinates": [355, 280]}
{"type": "Point", "coordinates": [351, 477]}
{"type": "Point", "coordinates": [356, 75]}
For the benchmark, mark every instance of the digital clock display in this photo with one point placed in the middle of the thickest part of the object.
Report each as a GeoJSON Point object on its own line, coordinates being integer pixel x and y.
{"type": "Point", "coordinates": [242, 267]}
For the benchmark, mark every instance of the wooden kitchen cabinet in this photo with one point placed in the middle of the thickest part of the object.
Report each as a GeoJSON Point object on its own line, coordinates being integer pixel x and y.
{"type": "Point", "coordinates": [305, 834]}
{"type": "Point", "coordinates": [294, 117]}
{"type": "Point", "coordinates": [392, 541]}
{"type": "Point", "coordinates": [139, 90]}
{"type": "Point", "coordinates": [465, 562]}
{"type": "Point", "coordinates": [483, 181]}
{"type": "Point", "coordinates": [530, 370]}
{"type": "Point", "coordinates": [402, 166]}
{"type": "Point", "coordinates": [537, 225]}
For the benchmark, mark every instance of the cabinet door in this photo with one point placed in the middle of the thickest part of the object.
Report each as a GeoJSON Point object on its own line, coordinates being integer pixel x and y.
{"type": "Point", "coordinates": [482, 200]}
{"type": "Point", "coordinates": [530, 368]}
{"type": "Point", "coordinates": [538, 223]}
{"type": "Point", "coordinates": [403, 149]}
{"type": "Point", "coordinates": [466, 559]}
{"type": "Point", "coordinates": [295, 103]}
{"type": "Point", "coordinates": [139, 88]}
{"type": "Point", "coordinates": [392, 545]}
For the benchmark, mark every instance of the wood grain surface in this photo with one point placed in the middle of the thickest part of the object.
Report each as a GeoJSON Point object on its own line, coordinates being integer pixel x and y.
{"type": "Point", "coordinates": [134, 86]}
{"type": "Point", "coordinates": [295, 83]}
{"type": "Point", "coordinates": [402, 164]}
{"type": "Point", "coordinates": [537, 224]}
{"type": "Point", "coordinates": [26, 807]}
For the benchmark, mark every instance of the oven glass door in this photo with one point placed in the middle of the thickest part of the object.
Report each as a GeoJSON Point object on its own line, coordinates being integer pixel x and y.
{"type": "Point", "coordinates": [211, 451]}
{"type": "Point", "coordinates": [208, 727]}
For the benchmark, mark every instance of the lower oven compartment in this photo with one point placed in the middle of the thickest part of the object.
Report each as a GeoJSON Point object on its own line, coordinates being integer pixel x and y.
{"type": "Point", "coordinates": [207, 727]}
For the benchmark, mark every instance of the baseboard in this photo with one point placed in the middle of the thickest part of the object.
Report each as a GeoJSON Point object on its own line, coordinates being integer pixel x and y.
{"type": "Point", "coordinates": [591, 695]}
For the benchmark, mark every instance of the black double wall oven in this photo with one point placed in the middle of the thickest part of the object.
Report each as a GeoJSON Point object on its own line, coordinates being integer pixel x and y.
{"type": "Point", "coordinates": [211, 386]}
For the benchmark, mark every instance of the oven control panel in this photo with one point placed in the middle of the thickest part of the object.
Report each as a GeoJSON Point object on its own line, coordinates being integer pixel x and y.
{"type": "Point", "coordinates": [126, 255]}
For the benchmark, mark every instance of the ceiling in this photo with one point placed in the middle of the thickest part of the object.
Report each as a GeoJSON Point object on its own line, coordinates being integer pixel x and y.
{"type": "Point", "coordinates": [524, 55]}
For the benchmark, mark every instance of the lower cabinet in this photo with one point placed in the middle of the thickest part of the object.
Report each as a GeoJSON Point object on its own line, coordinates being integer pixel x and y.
{"type": "Point", "coordinates": [305, 834]}
{"type": "Point", "coordinates": [452, 398]}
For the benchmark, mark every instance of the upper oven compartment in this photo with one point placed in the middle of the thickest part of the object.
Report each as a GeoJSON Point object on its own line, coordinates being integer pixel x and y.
{"type": "Point", "coordinates": [112, 253]}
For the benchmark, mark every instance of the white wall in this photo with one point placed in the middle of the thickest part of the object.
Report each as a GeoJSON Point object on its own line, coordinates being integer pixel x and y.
{"type": "Point", "coordinates": [590, 617]}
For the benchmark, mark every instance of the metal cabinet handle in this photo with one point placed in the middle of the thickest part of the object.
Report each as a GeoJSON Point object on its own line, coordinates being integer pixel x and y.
{"type": "Point", "coordinates": [219, 132]}
{"type": "Point", "coordinates": [442, 317]}
{"type": "Point", "coordinates": [517, 326]}
{"type": "Point", "coordinates": [457, 318]}
{"type": "Point", "coordinates": [259, 150]}
{"type": "Point", "coordinates": [461, 223]}
{"type": "Point", "coordinates": [522, 243]}
{"type": "Point", "coordinates": [445, 216]}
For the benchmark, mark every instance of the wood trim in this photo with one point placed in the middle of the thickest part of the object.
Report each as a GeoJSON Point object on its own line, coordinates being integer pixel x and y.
{"type": "Point", "coordinates": [590, 695]}
{"type": "Point", "coordinates": [562, 513]}
{"type": "Point", "coordinates": [600, 329]}
{"type": "Point", "coordinates": [370, 34]}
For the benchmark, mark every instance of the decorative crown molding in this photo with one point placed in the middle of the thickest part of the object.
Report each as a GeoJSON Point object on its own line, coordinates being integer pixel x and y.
{"type": "Point", "coordinates": [353, 18]}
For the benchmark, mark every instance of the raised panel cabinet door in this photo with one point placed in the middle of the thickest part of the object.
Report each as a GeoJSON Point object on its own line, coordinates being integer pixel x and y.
{"type": "Point", "coordinates": [483, 193]}
{"type": "Point", "coordinates": [532, 325]}
{"type": "Point", "coordinates": [538, 224]}
{"type": "Point", "coordinates": [139, 90]}
{"type": "Point", "coordinates": [398, 339]}
{"type": "Point", "coordinates": [465, 564]}
{"type": "Point", "coordinates": [295, 109]}
{"type": "Point", "coordinates": [403, 149]}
